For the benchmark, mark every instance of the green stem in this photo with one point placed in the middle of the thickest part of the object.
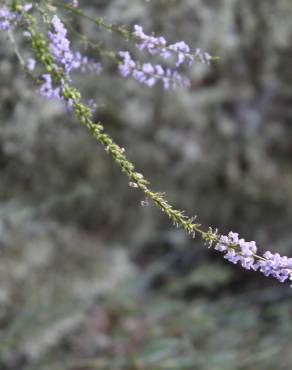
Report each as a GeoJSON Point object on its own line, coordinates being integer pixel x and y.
{"type": "Point", "coordinates": [98, 21]}
{"type": "Point", "coordinates": [15, 48]}
{"type": "Point", "coordinates": [114, 28]}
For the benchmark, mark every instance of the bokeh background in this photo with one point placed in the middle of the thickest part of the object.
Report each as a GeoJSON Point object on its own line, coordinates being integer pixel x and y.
{"type": "Point", "coordinates": [90, 279]}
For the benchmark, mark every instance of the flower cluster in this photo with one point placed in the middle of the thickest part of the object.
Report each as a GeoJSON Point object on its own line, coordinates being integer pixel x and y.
{"type": "Point", "coordinates": [60, 48]}
{"type": "Point", "coordinates": [149, 74]}
{"type": "Point", "coordinates": [279, 267]}
{"type": "Point", "coordinates": [48, 90]}
{"type": "Point", "coordinates": [86, 64]}
{"type": "Point", "coordinates": [60, 45]}
{"type": "Point", "coordinates": [7, 17]}
{"type": "Point", "coordinates": [158, 46]}
{"type": "Point", "coordinates": [238, 250]}
{"type": "Point", "coordinates": [30, 64]}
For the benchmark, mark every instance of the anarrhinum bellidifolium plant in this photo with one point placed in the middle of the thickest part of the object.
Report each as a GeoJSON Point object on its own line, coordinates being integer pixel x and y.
{"type": "Point", "coordinates": [52, 53]}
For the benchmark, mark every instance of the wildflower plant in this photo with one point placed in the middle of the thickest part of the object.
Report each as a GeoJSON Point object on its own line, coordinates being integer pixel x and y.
{"type": "Point", "coordinates": [54, 57]}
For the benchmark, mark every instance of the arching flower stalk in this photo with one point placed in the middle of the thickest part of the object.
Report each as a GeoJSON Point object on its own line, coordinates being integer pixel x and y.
{"type": "Point", "coordinates": [56, 58]}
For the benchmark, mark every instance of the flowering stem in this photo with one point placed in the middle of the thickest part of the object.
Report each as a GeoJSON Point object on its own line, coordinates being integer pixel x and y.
{"type": "Point", "coordinates": [98, 21]}
{"type": "Point", "coordinates": [84, 115]}
{"type": "Point", "coordinates": [110, 54]}
{"type": "Point", "coordinates": [116, 152]}
{"type": "Point", "coordinates": [137, 36]}
{"type": "Point", "coordinates": [57, 60]}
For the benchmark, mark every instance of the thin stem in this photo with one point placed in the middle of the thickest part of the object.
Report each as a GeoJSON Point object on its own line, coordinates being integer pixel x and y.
{"type": "Point", "coordinates": [15, 48]}
{"type": "Point", "coordinates": [98, 21]}
{"type": "Point", "coordinates": [123, 31]}
{"type": "Point", "coordinates": [112, 55]}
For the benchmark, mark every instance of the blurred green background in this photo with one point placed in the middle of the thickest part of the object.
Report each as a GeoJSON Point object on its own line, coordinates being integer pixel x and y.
{"type": "Point", "coordinates": [90, 279]}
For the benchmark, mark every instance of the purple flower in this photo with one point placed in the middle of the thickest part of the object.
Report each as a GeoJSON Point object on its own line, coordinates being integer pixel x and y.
{"type": "Point", "coordinates": [60, 45]}
{"type": "Point", "coordinates": [6, 18]}
{"type": "Point", "coordinates": [70, 105]}
{"type": "Point", "coordinates": [149, 74]}
{"type": "Point", "coordinates": [92, 105]}
{"type": "Point", "coordinates": [182, 50]}
{"type": "Point", "coordinates": [203, 57]}
{"type": "Point", "coordinates": [276, 266]}
{"type": "Point", "coordinates": [158, 46]}
{"type": "Point", "coordinates": [222, 245]}
{"type": "Point", "coordinates": [270, 264]}
{"type": "Point", "coordinates": [47, 90]}
{"type": "Point", "coordinates": [237, 250]}
{"type": "Point", "coordinates": [152, 44]}
{"type": "Point", "coordinates": [30, 64]}
{"type": "Point", "coordinates": [60, 49]}
{"type": "Point", "coordinates": [126, 68]}
{"type": "Point", "coordinates": [232, 256]}
{"type": "Point", "coordinates": [86, 64]}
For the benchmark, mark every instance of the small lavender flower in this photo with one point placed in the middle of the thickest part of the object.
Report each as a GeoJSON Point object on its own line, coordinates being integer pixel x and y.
{"type": "Point", "coordinates": [7, 18]}
{"type": "Point", "coordinates": [238, 250]}
{"type": "Point", "coordinates": [154, 45]}
{"type": "Point", "coordinates": [205, 58]}
{"type": "Point", "coordinates": [4, 19]}
{"type": "Point", "coordinates": [60, 45]}
{"type": "Point", "coordinates": [86, 64]}
{"type": "Point", "coordinates": [182, 50]}
{"type": "Point", "coordinates": [47, 90]}
{"type": "Point", "coordinates": [91, 103]}
{"type": "Point", "coordinates": [30, 64]}
{"type": "Point", "coordinates": [70, 105]}
{"type": "Point", "coordinates": [126, 68]}
{"type": "Point", "coordinates": [149, 74]}
{"type": "Point", "coordinates": [158, 46]}
{"type": "Point", "coordinates": [279, 267]}
{"type": "Point", "coordinates": [60, 49]}
{"type": "Point", "coordinates": [145, 202]}
{"type": "Point", "coordinates": [232, 256]}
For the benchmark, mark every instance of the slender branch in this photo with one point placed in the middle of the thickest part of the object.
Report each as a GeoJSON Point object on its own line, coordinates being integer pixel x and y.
{"type": "Point", "coordinates": [110, 54]}
{"type": "Point", "coordinates": [269, 264]}
{"type": "Point", "coordinates": [84, 115]}
{"type": "Point", "coordinates": [124, 32]}
{"type": "Point", "coordinates": [98, 21]}
{"type": "Point", "coordinates": [15, 48]}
